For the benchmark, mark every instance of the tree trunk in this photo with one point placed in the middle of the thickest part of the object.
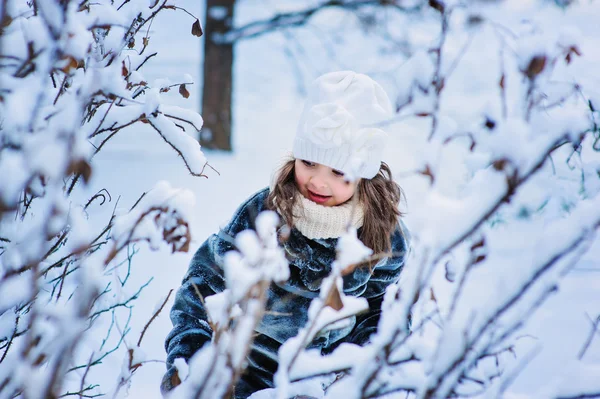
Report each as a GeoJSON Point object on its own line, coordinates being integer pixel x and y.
{"type": "Point", "coordinates": [218, 68]}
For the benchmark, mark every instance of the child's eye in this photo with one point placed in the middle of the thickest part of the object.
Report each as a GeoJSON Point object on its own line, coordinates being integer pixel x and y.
{"type": "Point", "coordinates": [337, 172]}
{"type": "Point", "coordinates": [308, 163]}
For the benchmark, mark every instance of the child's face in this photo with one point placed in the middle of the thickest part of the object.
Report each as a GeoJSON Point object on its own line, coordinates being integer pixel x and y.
{"type": "Point", "coordinates": [321, 184]}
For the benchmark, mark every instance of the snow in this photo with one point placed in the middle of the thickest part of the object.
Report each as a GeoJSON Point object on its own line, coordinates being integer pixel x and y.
{"type": "Point", "coordinates": [14, 290]}
{"type": "Point", "coordinates": [546, 214]}
{"type": "Point", "coordinates": [136, 225]}
{"type": "Point", "coordinates": [350, 250]}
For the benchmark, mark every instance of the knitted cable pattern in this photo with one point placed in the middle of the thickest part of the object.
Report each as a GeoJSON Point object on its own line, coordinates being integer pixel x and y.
{"type": "Point", "coordinates": [318, 221]}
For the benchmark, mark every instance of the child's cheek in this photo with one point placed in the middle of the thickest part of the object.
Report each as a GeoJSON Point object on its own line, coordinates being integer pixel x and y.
{"type": "Point", "coordinates": [300, 178]}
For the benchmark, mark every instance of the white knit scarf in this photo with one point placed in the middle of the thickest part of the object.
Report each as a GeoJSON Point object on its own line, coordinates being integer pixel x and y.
{"type": "Point", "coordinates": [318, 221]}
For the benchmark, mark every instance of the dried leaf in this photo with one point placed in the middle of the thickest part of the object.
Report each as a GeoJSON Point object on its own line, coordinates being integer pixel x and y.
{"type": "Point", "coordinates": [71, 64]}
{"type": "Point", "coordinates": [334, 299]}
{"type": "Point", "coordinates": [39, 360]}
{"type": "Point", "coordinates": [478, 244]}
{"type": "Point", "coordinates": [436, 4]}
{"type": "Point", "coordinates": [131, 43]}
{"type": "Point", "coordinates": [86, 171]}
{"type": "Point", "coordinates": [186, 246]}
{"type": "Point", "coordinates": [81, 167]}
{"type": "Point", "coordinates": [572, 50]}
{"type": "Point", "coordinates": [124, 70]}
{"type": "Point", "coordinates": [478, 259]}
{"type": "Point", "coordinates": [7, 20]}
{"type": "Point", "coordinates": [499, 164]}
{"type": "Point", "coordinates": [502, 80]}
{"type": "Point", "coordinates": [180, 241]}
{"type": "Point", "coordinates": [145, 41]}
{"type": "Point", "coordinates": [536, 66]}
{"type": "Point", "coordinates": [422, 114]}
{"type": "Point", "coordinates": [427, 172]}
{"type": "Point", "coordinates": [175, 380]}
{"type": "Point", "coordinates": [183, 91]}
{"type": "Point", "coordinates": [197, 29]}
{"type": "Point", "coordinates": [432, 296]}
{"type": "Point", "coordinates": [132, 366]}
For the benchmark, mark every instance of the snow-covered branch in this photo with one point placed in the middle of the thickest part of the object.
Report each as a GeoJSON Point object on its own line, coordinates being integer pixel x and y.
{"type": "Point", "coordinates": [71, 79]}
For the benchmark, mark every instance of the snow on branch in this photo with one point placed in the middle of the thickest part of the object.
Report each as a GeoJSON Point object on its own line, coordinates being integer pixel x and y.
{"type": "Point", "coordinates": [502, 138]}
{"type": "Point", "coordinates": [159, 216]}
{"type": "Point", "coordinates": [71, 79]}
{"type": "Point", "coordinates": [235, 312]}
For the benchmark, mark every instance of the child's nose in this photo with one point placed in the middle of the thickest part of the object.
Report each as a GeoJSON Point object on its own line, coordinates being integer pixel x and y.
{"type": "Point", "coordinates": [318, 181]}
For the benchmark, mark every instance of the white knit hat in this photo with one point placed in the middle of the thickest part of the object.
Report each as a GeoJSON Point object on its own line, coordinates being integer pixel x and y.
{"type": "Point", "coordinates": [336, 127]}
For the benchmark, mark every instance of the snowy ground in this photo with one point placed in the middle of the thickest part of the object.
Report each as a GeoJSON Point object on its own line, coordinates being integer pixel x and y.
{"type": "Point", "coordinates": [267, 102]}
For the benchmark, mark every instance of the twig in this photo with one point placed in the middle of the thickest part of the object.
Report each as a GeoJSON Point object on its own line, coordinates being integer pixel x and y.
{"type": "Point", "coordinates": [178, 151]}
{"type": "Point", "coordinates": [99, 195]}
{"type": "Point", "coordinates": [146, 59]}
{"type": "Point", "coordinates": [12, 337]}
{"type": "Point", "coordinates": [154, 316]}
{"type": "Point", "coordinates": [512, 375]}
{"type": "Point", "coordinates": [439, 80]}
{"type": "Point", "coordinates": [87, 369]}
{"type": "Point", "coordinates": [299, 18]}
{"type": "Point", "coordinates": [510, 303]}
{"type": "Point", "coordinates": [183, 120]}
{"type": "Point", "coordinates": [121, 304]}
{"type": "Point", "coordinates": [588, 341]}
{"type": "Point", "coordinates": [97, 131]}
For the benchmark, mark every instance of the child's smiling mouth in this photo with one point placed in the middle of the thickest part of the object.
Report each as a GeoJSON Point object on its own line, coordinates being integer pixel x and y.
{"type": "Point", "coordinates": [319, 199]}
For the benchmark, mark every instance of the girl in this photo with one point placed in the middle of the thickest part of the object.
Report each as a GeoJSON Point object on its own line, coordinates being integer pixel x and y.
{"type": "Point", "coordinates": [336, 179]}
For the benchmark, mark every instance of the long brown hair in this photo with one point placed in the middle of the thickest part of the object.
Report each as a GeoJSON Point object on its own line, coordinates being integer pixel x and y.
{"type": "Point", "coordinates": [379, 197]}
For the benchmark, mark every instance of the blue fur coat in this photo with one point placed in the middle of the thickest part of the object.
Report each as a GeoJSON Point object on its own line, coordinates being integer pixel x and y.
{"type": "Point", "coordinates": [287, 305]}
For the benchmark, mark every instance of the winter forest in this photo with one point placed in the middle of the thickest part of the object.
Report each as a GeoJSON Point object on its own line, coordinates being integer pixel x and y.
{"type": "Point", "coordinates": [106, 193]}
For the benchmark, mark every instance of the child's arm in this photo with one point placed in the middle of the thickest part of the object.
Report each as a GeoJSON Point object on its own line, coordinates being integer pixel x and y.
{"type": "Point", "coordinates": [191, 329]}
{"type": "Point", "coordinates": [388, 271]}
{"type": "Point", "coordinates": [384, 274]}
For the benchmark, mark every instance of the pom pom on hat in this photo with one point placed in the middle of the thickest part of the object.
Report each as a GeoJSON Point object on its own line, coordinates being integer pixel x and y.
{"type": "Point", "coordinates": [336, 127]}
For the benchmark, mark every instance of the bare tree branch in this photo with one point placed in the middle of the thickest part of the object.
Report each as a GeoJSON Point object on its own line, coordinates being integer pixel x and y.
{"type": "Point", "coordinates": [298, 18]}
